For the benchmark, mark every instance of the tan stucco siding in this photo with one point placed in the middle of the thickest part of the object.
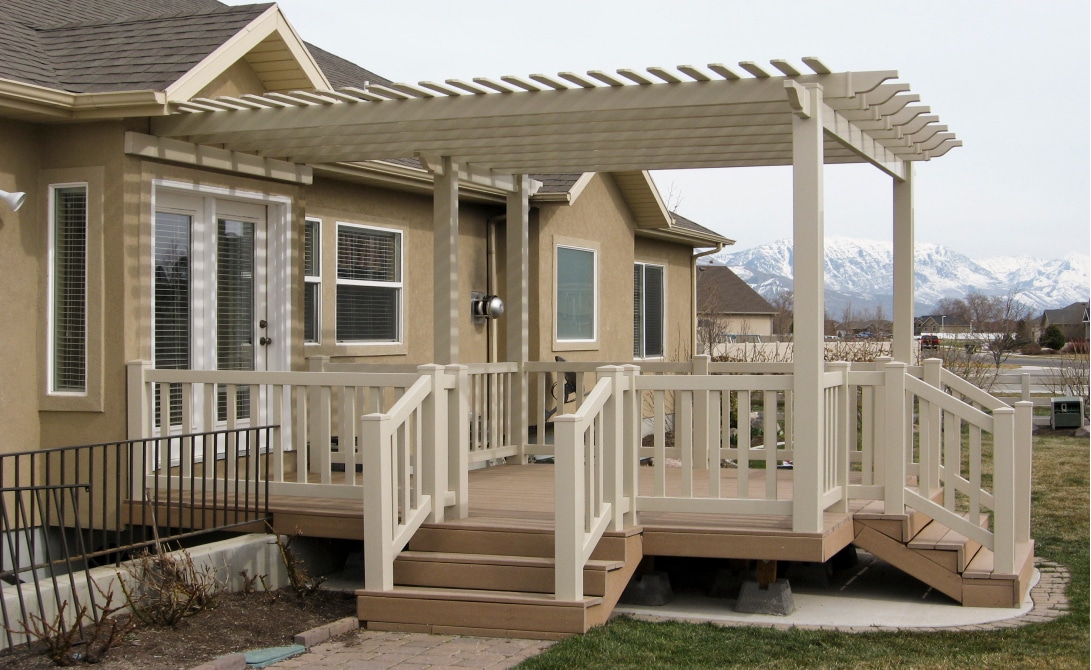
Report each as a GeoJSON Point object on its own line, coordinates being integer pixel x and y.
{"type": "Point", "coordinates": [236, 80]}
{"type": "Point", "coordinates": [21, 237]}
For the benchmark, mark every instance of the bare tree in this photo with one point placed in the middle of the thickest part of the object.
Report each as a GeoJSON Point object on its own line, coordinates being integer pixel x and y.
{"type": "Point", "coordinates": [783, 304]}
{"type": "Point", "coordinates": [1010, 326]}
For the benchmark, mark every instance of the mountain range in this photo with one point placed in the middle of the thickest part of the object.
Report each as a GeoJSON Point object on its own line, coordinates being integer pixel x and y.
{"type": "Point", "coordinates": [859, 275]}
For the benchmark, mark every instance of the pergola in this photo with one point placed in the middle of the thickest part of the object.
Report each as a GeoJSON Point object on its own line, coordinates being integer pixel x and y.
{"type": "Point", "coordinates": [497, 132]}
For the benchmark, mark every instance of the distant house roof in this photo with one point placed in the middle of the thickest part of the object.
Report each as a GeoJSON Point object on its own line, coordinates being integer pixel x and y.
{"type": "Point", "coordinates": [1075, 313]}
{"type": "Point", "coordinates": [942, 319]}
{"type": "Point", "coordinates": [721, 291]}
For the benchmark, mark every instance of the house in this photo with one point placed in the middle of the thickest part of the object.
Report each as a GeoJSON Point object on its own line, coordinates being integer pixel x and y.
{"type": "Point", "coordinates": [873, 328]}
{"type": "Point", "coordinates": [231, 233]}
{"type": "Point", "coordinates": [728, 309]}
{"type": "Point", "coordinates": [940, 323]}
{"type": "Point", "coordinates": [1072, 320]}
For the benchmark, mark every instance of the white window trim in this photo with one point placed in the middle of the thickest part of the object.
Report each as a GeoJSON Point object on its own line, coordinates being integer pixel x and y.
{"type": "Point", "coordinates": [91, 399]}
{"type": "Point", "coordinates": [399, 341]}
{"type": "Point", "coordinates": [51, 292]}
{"type": "Point", "coordinates": [663, 334]}
{"type": "Point", "coordinates": [278, 259]}
{"type": "Point", "coordinates": [315, 279]}
{"type": "Point", "coordinates": [575, 344]}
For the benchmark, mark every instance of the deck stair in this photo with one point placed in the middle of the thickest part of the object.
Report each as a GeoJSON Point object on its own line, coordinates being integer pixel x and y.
{"type": "Point", "coordinates": [487, 579]}
{"type": "Point", "coordinates": [943, 558]}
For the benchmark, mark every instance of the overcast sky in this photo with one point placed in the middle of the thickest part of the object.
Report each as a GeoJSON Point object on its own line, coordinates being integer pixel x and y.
{"type": "Point", "coordinates": [1009, 77]}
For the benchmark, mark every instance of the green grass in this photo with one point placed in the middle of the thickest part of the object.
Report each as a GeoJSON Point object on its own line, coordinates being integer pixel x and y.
{"type": "Point", "coordinates": [1060, 527]}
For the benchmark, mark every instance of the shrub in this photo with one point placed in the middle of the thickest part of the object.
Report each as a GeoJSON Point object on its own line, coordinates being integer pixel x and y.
{"type": "Point", "coordinates": [1052, 338]}
{"type": "Point", "coordinates": [1031, 349]}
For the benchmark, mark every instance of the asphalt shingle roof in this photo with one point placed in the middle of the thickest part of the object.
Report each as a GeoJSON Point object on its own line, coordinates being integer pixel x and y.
{"type": "Point", "coordinates": [690, 225]}
{"type": "Point", "coordinates": [721, 291]}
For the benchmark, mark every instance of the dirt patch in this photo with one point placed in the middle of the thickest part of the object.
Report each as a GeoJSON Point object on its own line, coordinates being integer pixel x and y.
{"type": "Point", "coordinates": [239, 622]}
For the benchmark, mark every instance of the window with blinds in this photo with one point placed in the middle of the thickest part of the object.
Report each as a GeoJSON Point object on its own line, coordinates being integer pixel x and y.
{"type": "Point", "coordinates": [235, 318]}
{"type": "Point", "coordinates": [648, 310]}
{"type": "Point", "coordinates": [68, 289]}
{"type": "Point", "coordinates": [369, 284]}
{"type": "Point", "coordinates": [172, 301]}
{"type": "Point", "coordinates": [312, 280]}
{"type": "Point", "coordinates": [575, 294]}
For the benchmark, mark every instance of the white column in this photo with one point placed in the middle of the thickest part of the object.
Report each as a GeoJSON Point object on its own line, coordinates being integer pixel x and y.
{"type": "Point", "coordinates": [445, 257]}
{"type": "Point", "coordinates": [517, 300]}
{"type": "Point", "coordinates": [809, 280]}
{"type": "Point", "coordinates": [903, 267]}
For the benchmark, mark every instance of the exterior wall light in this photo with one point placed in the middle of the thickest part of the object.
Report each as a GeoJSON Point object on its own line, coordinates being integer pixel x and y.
{"type": "Point", "coordinates": [486, 306]}
{"type": "Point", "coordinates": [16, 200]}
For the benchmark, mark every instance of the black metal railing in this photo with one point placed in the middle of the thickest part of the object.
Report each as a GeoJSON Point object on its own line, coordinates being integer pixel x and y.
{"type": "Point", "coordinates": [66, 510]}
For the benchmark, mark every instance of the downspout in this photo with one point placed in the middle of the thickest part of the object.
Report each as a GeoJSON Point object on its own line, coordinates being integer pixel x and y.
{"type": "Point", "coordinates": [491, 333]}
{"type": "Point", "coordinates": [693, 294]}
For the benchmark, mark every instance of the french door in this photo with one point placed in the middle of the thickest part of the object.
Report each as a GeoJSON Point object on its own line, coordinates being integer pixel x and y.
{"type": "Point", "coordinates": [210, 291]}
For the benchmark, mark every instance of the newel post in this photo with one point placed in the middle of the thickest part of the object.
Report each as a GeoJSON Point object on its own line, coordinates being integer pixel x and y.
{"type": "Point", "coordinates": [930, 434]}
{"type": "Point", "coordinates": [378, 502]}
{"type": "Point", "coordinates": [139, 421]}
{"type": "Point", "coordinates": [570, 505]}
{"type": "Point", "coordinates": [1024, 462]}
{"type": "Point", "coordinates": [1004, 490]}
{"type": "Point", "coordinates": [613, 438]}
{"type": "Point", "coordinates": [458, 438]}
{"type": "Point", "coordinates": [631, 442]}
{"type": "Point", "coordinates": [844, 413]}
{"type": "Point", "coordinates": [894, 443]}
{"type": "Point", "coordinates": [433, 476]}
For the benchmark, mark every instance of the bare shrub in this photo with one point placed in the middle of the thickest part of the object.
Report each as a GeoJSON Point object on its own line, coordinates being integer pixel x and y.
{"type": "Point", "coordinates": [300, 580]}
{"type": "Point", "coordinates": [1070, 378]}
{"type": "Point", "coordinates": [59, 637]}
{"type": "Point", "coordinates": [168, 587]}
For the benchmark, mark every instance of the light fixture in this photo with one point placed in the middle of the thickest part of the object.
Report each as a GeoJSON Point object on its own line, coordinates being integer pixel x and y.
{"type": "Point", "coordinates": [14, 200]}
{"type": "Point", "coordinates": [486, 306]}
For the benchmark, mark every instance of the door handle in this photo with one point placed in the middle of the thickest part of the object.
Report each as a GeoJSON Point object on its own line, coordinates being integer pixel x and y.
{"type": "Point", "coordinates": [265, 341]}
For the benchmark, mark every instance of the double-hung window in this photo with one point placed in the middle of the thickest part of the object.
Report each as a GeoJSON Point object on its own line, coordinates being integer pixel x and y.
{"type": "Point", "coordinates": [369, 284]}
{"type": "Point", "coordinates": [648, 310]}
{"type": "Point", "coordinates": [68, 289]}
{"type": "Point", "coordinates": [312, 280]}
{"type": "Point", "coordinates": [577, 289]}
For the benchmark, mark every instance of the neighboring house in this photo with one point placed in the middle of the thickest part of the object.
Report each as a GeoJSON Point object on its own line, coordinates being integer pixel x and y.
{"type": "Point", "coordinates": [873, 328]}
{"type": "Point", "coordinates": [728, 310]}
{"type": "Point", "coordinates": [1072, 320]}
{"type": "Point", "coordinates": [230, 231]}
{"type": "Point", "coordinates": [939, 323]}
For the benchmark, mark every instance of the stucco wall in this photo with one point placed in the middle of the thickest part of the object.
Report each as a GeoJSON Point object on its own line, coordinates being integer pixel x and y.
{"type": "Point", "coordinates": [678, 309]}
{"type": "Point", "coordinates": [21, 236]}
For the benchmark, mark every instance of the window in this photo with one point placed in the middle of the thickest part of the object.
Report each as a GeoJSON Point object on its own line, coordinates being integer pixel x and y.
{"type": "Point", "coordinates": [576, 291]}
{"type": "Point", "coordinates": [68, 289]}
{"type": "Point", "coordinates": [312, 280]}
{"type": "Point", "coordinates": [369, 284]}
{"type": "Point", "coordinates": [648, 305]}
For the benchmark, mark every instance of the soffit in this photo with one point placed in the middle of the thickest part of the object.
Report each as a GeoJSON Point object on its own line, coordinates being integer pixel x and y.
{"type": "Point", "coordinates": [659, 118]}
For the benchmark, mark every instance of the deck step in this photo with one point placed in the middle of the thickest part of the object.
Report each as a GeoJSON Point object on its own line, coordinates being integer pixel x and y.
{"type": "Point", "coordinates": [530, 574]}
{"type": "Point", "coordinates": [947, 547]}
{"type": "Point", "coordinates": [901, 527]}
{"type": "Point", "coordinates": [486, 612]}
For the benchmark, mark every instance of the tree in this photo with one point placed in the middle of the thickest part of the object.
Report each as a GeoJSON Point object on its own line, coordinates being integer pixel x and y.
{"type": "Point", "coordinates": [783, 304]}
{"type": "Point", "coordinates": [1008, 320]}
{"type": "Point", "coordinates": [1053, 338]}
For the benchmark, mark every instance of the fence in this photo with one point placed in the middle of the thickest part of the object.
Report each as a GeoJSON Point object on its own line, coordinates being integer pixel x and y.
{"type": "Point", "coordinates": [69, 509]}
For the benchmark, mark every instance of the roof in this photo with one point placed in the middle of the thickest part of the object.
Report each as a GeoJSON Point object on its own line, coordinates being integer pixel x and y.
{"type": "Point", "coordinates": [681, 223]}
{"type": "Point", "coordinates": [661, 118]}
{"type": "Point", "coordinates": [1075, 313]}
{"type": "Point", "coordinates": [721, 291]}
{"type": "Point", "coordinates": [943, 319]}
{"type": "Point", "coordinates": [104, 45]}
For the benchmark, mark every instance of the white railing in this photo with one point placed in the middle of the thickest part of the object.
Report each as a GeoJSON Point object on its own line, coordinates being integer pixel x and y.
{"type": "Point", "coordinates": [405, 472]}
{"type": "Point", "coordinates": [711, 429]}
{"type": "Point", "coordinates": [495, 411]}
{"type": "Point", "coordinates": [592, 483]}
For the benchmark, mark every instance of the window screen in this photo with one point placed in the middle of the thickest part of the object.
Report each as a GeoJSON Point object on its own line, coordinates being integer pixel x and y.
{"type": "Point", "coordinates": [575, 294]}
{"type": "Point", "coordinates": [369, 284]}
{"type": "Point", "coordinates": [69, 290]}
{"type": "Point", "coordinates": [648, 308]}
{"type": "Point", "coordinates": [312, 281]}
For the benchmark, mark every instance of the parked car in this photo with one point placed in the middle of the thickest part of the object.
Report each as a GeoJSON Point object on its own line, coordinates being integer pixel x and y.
{"type": "Point", "coordinates": [929, 341]}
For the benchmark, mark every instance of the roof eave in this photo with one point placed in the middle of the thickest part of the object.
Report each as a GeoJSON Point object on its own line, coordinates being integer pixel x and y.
{"type": "Point", "coordinates": [687, 237]}
{"type": "Point", "coordinates": [43, 103]}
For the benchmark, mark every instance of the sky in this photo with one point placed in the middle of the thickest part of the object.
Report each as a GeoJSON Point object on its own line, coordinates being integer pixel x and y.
{"type": "Point", "coordinates": [1010, 78]}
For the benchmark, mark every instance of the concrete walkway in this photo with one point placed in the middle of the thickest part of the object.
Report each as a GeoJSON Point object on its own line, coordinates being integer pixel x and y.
{"type": "Point", "coordinates": [366, 650]}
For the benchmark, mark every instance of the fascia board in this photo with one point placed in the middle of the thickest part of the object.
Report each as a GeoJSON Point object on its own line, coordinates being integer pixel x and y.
{"type": "Point", "coordinates": [403, 178]}
{"type": "Point", "coordinates": [227, 54]}
{"type": "Point", "coordinates": [695, 240]}
{"type": "Point", "coordinates": [51, 104]}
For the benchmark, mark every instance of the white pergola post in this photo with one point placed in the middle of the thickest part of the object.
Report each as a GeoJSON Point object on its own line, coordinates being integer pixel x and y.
{"type": "Point", "coordinates": [445, 257]}
{"type": "Point", "coordinates": [517, 311]}
{"type": "Point", "coordinates": [809, 279]}
{"type": "Point", "coordinates": [903, 267]}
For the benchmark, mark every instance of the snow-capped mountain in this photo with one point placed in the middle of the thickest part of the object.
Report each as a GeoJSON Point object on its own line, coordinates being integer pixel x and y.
{"type": "Point", "coordinates": [860, 273]}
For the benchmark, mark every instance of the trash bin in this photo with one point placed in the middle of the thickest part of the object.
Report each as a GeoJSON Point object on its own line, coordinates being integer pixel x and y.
{"type": "Point", "coordinates": [1067, 413]}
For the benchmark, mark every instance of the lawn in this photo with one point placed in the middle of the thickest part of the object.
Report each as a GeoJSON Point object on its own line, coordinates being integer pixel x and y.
{"type": "Point", "coordinates": [1060, 527]}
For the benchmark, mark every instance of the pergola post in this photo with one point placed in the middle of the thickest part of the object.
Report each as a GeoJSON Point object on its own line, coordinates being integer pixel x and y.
{"type": "Point", "coordinates": [445, 257]}
{"type": "Point", "coordinates": [809, 321]}
{"type": "Point", "coordinates": [903, 267]}
{"type": "Point", "coordinates": [517, 310]}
